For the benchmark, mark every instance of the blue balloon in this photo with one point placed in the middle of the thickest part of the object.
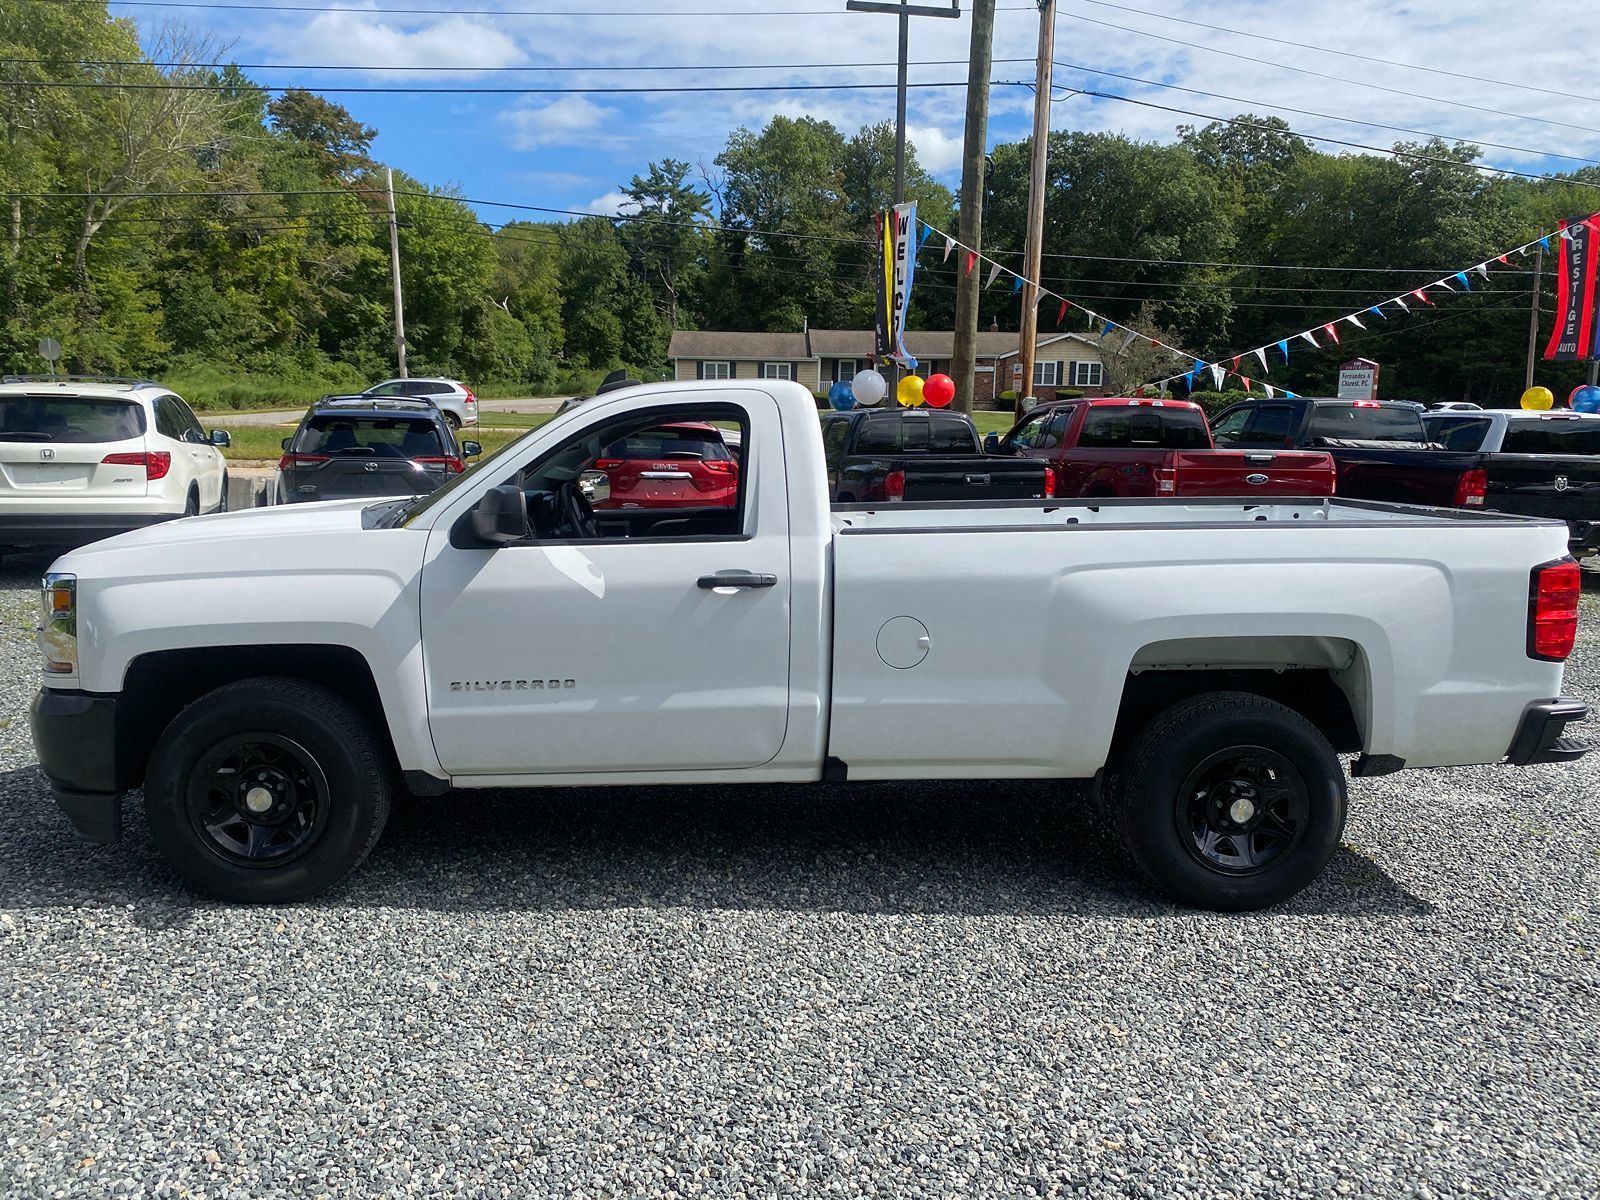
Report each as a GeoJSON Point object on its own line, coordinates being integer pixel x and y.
{"type": "Point", "coordinates": [1586, 399]}
{"type": "Point", "coordinates": [842, 396]}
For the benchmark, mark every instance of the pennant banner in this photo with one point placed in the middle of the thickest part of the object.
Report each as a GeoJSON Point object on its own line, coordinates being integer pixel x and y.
{"type": "Point", "coordinates": [994, 273]}
{"type": "Point", "coordinates": [1574, 336]}
{"type": "Point", "coordinates": [898, 241]}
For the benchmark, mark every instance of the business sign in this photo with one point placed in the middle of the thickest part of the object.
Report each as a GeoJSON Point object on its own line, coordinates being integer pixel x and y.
{"type": "Point", "coordinates": [1574, 336]}
{"type": "Point", "coordinates": [897, 248]}
{"type": "Point", "coordinates": [1358, 380]}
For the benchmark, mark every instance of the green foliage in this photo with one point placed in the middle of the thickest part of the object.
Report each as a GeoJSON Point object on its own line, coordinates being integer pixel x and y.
{"type": "Point", "coordinates": [1214, 402]}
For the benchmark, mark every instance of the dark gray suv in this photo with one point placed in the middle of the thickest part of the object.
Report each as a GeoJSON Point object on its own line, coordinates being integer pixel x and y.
{"type": "Point", "coordinates": [349, 447]}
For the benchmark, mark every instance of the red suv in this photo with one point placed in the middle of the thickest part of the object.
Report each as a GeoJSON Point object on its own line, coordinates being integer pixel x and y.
{"type": "Point", "coordinates": [683, 465]}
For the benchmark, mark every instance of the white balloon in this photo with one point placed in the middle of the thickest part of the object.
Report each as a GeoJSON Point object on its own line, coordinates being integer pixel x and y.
{"type": "Point", "coordinates": [870, 387]}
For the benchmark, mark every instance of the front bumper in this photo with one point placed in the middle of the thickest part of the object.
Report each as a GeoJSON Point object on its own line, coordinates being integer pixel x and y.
{"type": "Point", "coordinates": [75, 734]}
{"type": "Point", "coordinates": [71, 529]}
{"type": "Point", "coordinates": [1539, 736]}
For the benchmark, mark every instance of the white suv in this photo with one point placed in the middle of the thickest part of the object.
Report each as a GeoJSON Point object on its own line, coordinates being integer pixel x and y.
{"type": "Point", "coordinates": [453, 398]}
{"type": "Point", "coordinates": [82, 459]}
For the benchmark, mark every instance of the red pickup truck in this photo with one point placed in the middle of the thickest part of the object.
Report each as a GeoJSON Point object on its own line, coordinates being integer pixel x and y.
{"type": "Point", "coordinates": [1137, 447]}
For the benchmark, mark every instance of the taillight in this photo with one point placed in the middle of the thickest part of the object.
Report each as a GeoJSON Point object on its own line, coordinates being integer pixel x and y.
{"type": "Point", "coordinates": [301, 460]}
{"type": "Point", "coordinates": [1472, 488]}
{"type": "Point", "coordinates": [1049, 482]}
{"type": "Point", "coordinates": [894, 485]}
{"type": "Point", "coordinates": [448, 461]}
{"type": "Point", "coordinates": [156, 463]}
{"type": "Point", "coordinates": [1167, 481]}
{"type": "Point", "coordinates": [714, 476]}
{"type": "Point", "coordinates": [1553, 593]}
{"type": "Point", "coordinates": [471, 399]}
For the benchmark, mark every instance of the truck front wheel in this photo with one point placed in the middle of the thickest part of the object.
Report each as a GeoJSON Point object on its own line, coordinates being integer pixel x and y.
{"type": "Point", "coordinates": [1229, 801]}
{"type": "Point", "coordinates": [267, 791]}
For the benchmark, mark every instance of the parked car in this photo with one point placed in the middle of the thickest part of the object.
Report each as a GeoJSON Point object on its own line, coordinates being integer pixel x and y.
{"type": "Point", "coordinates": [454, 398]}
{"type": "Point", "coordinates": [270, 678]}
{"type": "Point", "coordinates": [1146, 448]}
{"type": "Point", "coordinates": [1545, 464]}
{"type": "Point", "coordinates": [681, 465]}
{"type": "Point", "coordinates": [349, 446]}
{"type": "Point", "coordinates": [1455, 406]}
{"type": "Point", "coordinates": [1379, 447]}
{"type": "Point", "coordinates": [85, 457]}
{"type": "Point", "coordinates": [873, 455]}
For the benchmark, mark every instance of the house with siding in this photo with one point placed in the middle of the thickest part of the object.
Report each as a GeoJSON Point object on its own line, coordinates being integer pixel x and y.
{"type": "Point", "coordinates": [818, 358]}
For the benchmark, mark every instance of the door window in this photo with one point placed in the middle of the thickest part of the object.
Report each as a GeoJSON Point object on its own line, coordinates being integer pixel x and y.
{"type": "Point", "coordinates": [1055, 429]}
{"type": "Point", "coordinates": [879, 437]}
{"type": "Point", "coordinates": [168, 421]}
{"type": "Point", "coordinates": [192, 432]}
{"type": "Point", "coordinates": [1271, 425]}
{"type": "Point", "coordinates": [1230, 426]}
{"type": "Point", "coordinates": [951, 435]}
{"type": "Point", "coordinates": [834, 434]}
{"type": "Point", "coordinates": [1029, 433]}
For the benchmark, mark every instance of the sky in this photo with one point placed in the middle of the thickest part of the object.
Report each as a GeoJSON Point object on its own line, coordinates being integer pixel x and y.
{"type": "Point", "coordinates": [1520, 75]}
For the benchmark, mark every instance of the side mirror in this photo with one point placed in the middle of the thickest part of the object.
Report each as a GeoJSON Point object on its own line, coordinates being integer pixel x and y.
{"type": "Point", "coordinates": [285, 443]}
{"type": "Point", "coordinates": [471, 449]}
{"type": "Point", "coordinates": [596, 486]}
{"type": "Point", "coordinates": [502, 515]}
{"type": "Point", "coordinates": [222, 439]}
{"type": "Point", "coordinates": [991, 443]}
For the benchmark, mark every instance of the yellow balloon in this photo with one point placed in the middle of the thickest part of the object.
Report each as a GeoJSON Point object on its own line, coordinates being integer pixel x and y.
{"type": "Point", "coordinates": [1538, 398]}
{"type": "Point", "coordinates": [909, 393]}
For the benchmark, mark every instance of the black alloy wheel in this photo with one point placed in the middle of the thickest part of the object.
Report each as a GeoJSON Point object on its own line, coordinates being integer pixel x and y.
{"type": "Point", "coordinates": [258, 799]}
{"type": "Point", "coordinates": [1242, 808]}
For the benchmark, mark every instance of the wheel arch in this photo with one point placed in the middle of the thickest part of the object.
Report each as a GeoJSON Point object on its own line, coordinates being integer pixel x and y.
{"type": "Point", "coordinates": [167, 681]}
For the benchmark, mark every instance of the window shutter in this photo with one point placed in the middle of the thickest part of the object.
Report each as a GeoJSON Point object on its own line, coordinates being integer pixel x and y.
{"type": "Point", "coordinates": [761, 370]}
{"type": "Point", "coordinates": [699, 369]}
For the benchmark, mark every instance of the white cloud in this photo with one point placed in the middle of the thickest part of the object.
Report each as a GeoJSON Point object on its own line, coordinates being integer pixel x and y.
{"type": "Point", "coordinates": [569, 121]}
{"type": "Point", "coordinates": [370, 39]}
{"type": "Point", "coordinates": [937, 150]}
{"type": "Point", "coordinates": [608, 205]}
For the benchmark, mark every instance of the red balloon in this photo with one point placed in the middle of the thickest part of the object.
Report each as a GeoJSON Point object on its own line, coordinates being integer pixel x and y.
{"type": "Point", "coordinates": [939, 390]}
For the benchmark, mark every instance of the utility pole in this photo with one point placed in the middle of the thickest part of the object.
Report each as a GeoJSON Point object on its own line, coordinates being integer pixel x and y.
{"type": "Point", "coordinates": [1533, 314]}
{"type": "Point", "coordinates": [970, 230]}
{"type": "Point", "coordinates": [1033, 250]}
{"type": "Point", "coordinates": [394, 271]}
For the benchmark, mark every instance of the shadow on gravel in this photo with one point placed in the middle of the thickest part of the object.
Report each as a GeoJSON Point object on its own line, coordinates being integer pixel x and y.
{"type": "Point", "coordinates": [891, 849]}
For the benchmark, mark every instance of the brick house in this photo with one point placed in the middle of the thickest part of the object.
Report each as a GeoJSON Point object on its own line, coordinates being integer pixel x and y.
{"type": "Point", "coordinates": [817, 358]}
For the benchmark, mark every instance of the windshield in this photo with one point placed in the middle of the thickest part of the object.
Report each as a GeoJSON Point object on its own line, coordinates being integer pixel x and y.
{"type": "Point", "coordinates": [1142, 425]}
{"type": "Point", "coordinates": [1552, 437]}
{"type": "Point", "coordinates": [370, 437]}
{"type": "Point", "coordinates": [1363, 423]}
{"type": "Point", "coordinates": [47, 419]}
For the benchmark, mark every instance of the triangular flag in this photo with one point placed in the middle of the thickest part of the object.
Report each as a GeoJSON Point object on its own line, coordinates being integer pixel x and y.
{"type": "Point", "coordinates": [1016, 285]}
{"type": "Point", "coordinates": [1404, 307]}
{"type": "Point", "coordinates": [1246, 379]}
{"type": "Point", "coordinates": [1422, 296]}
{"type": "Point", "coordinates": [1156, 344]}
{"type": "Point", "coordinates": [994, 273]}
{"type": "Point", "coordinates": [1465, 283]}
{"type": "Point", "coordinates": [1284, 347]}
{"type": "Point", "coordinates": [1271, 391]}
{"type": "Point", "coordinates": [1444, 283]}
{"type": "Point", "coordinates": [1331, 332]}
{"type": "Point", "coordinates": [949, 245]}
{"type": "Point", "coordinates": [1217, 373]}
{"type": "Point", "coordinates": [1109, 326]}
{"type": "Point", "coordinates": [972, 261]}
{"type": "Point", "coordinates": [1545, 241]}
{"type": "Point", "coordinates": [1262, 355]}
{"type": "Point", "coordinates": [1061, 314]}
{"type": "Point", "coordinates": [1235, 364]}
{"type": "Point", "coordinates": [1378, 308]}
{"type": "Point", "coordinates": [1355, 320]}
{"type": "Point", "coordinates": [1309, 338]}
{"type": "Point", "coordinates": [1566, 235]}
{"type": "Point", "coordinates": [922, 240]}
{"type": "Point", "coordinates": [1483, 268]}
{"type": "Point", "coordinates": [1291, 395]}
{"type": "Point", "coordinates": [1128, 341]}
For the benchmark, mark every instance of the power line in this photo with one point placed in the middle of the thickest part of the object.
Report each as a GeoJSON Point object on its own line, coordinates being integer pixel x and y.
{"type": "Point", "coordinates": [486, 12]}
{"type": "Point", "coordinates": [1479, 80]}
{"type": "Point", "coordinates": [606, 89]}
{"type": "Point", "coordinates": [542, 68]}
{"type": "Point", "coordinates": [1257, 61]}
{"type": "Point", "coordinates": [1304, 112]}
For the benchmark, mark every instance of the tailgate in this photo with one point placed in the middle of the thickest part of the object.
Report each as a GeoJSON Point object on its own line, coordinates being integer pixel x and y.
{"type": "Point", "coordinates": [1254, 473]}
{"type": "Point", "coordinates": [53, 445]}
{"type": "Point", "coordinates": [976, 477]}
{"type": "Point", "coordinates": [346, 477]}
{"type": "Point", "coordinates": [1408, 476]}
{"type": "Point", "coordinates": [1566, 487]}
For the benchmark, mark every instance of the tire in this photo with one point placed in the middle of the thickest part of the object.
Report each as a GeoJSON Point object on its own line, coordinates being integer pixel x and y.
{"type": "Point", "coordinates": [453, 421]}
{"type": "Point", "coordinates": [318, 764]}
{"type": "Point", "coordinates": [1187, 802]}
{"type": "Point", "coordinates": [222, 504]}
{"type": "Point", "coordinates": [191, 504]}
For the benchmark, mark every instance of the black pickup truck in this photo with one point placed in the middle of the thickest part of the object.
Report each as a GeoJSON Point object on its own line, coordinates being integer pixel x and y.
{"type": "Point", "coordinates": [1540, 464]}
{"type": "Point", "coordinates": [1380, 449]}
{"type": "Point", "coordinates": [915, 454]}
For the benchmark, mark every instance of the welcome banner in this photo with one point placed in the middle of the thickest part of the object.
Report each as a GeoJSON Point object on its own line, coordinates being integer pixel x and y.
{"type": "Point", "coordinates": [1575, 335]}
{"type": "Point", "coordinates": [897, 246]}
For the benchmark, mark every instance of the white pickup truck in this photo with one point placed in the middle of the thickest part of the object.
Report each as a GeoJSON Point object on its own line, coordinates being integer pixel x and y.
{"type": "Point", "coordinates": [271, 677]}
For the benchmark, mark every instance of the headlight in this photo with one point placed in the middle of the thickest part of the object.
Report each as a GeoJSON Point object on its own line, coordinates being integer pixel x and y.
{"type": "Point", "coordinates": [58, 624]}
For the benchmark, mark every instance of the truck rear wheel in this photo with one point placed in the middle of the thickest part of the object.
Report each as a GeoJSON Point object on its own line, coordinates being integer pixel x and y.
{"type": "Point", "coordinates": [1229, 801]}
{"type": "Point", "coordinates": [267, 791]}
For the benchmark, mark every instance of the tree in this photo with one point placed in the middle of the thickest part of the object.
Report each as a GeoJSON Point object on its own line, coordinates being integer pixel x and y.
{"type": "Point", "coordinates": [325, 132]}
{"type": "Point", "coordinates": [1131, 361]}
{"type": "Point", "coordinates": [663, 238]}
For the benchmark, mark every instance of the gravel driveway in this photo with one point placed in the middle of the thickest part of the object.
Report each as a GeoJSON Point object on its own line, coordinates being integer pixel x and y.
{"type": "Point", "coordinates": [884, 991]}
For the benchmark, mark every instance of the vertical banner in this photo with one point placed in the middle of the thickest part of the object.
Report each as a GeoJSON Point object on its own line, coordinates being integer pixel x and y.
{"type": "Point", "coordinates": [896, 235]}
{"type": "Point", "coordinates": [1574, 336]}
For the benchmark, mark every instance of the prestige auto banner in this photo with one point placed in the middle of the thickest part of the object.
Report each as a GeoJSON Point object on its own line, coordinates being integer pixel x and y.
{"type": "Point", "coordinates": [897, 248]}
{"type": "Point", "coordinates": [1574, 336]}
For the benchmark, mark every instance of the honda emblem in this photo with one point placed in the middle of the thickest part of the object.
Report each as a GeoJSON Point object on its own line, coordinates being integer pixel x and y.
{"type": "Point", "coordinates": [47, 454]}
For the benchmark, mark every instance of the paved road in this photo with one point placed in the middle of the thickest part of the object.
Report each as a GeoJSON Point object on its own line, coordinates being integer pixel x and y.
{"type": "Point", "coordinates": [288, 416]}
{"type": "Point", "coordinates": [885, 991]}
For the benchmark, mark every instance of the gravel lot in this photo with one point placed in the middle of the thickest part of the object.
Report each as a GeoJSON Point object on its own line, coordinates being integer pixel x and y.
{"type": "Point", "coordinates": [861, 991]}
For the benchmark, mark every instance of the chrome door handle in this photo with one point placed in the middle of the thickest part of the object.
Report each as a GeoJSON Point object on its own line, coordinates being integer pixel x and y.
{"type": "Point", "coordinates": [737, 579]}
